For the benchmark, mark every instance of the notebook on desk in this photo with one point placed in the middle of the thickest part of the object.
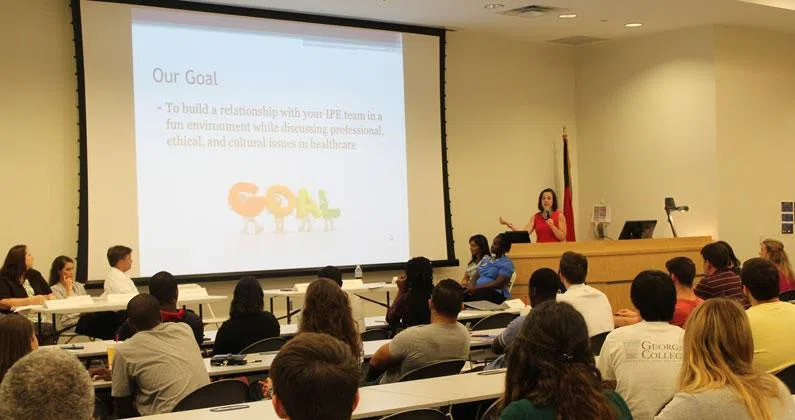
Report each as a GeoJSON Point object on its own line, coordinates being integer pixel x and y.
{"type": "Point", "coordinates": [484, 305]}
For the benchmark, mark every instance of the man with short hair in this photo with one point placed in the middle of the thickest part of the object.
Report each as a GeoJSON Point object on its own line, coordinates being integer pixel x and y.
{"type": "Point", "coordinates": [719, 278]}
{"type": "Point", "coordinates": [47, 384]}
{"type": "Point", "coordinates": [304, 372]}
{"type": "Point", "coordinates": [644, 359]}
{"type": "Point", "coordinates": [415, 347]}
{"type": "Point", "coordinates": [117, 281]}
{"type": "Point", "coordinates": [159, 366]}
{"type": "Point", "coordinates": [771, 320]}
{"type": "Point", "coordinates": [588, 301]}
{"type": "Point", "coordinates": [357, 304]}
{"type": "Point", "coordinates": [682, 271]}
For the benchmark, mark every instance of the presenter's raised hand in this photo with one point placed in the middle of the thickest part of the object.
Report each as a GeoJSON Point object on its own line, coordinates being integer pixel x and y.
{"type": "Point", "coordinates": [504, 222]}
{"type": "Point", "coordinates": [551, 222]}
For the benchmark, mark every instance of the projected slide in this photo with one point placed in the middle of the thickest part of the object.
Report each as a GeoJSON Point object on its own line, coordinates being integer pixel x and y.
{"type": "Point", "coordinates": [267, 149]}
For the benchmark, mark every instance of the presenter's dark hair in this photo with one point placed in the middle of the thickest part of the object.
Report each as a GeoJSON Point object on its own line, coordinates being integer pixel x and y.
{"type": "Point", "coordinates": [483, 248]}
{"type": "Point", "coordinates": [117, 253]}
{"type": "Point", "coordinates": [574, 267]}
{"type": "Point", "coordinates": [684, 268]}
{"type": "Point", "coordinates": [55, 269]}
{"type": "Point", "coordinates": [654, 294]}
{"type": "Point", "coordinates": [332, 273]}
{"type": "Point", "coordinates": [163, 286]}
{"type": "Point", "coordinates": [304, 371]}
{"type": "Point", "coordinates": [505, 243]}
{"type": "Point", "coordinates": [447, 298]}
{"type": "Point", "coordinates": [247, 299]}
{"type": "Point", "coordinates": [551, 364]}
{"type": "Point", "coordinates": [718, 255]}
{"type": "Point", "coordinates": [554, 199]}
{"type": "Point", "coordinates": [760, 277]}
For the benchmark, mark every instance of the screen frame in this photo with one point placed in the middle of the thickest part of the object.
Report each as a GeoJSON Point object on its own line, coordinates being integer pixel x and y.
{"type": "Point", "coordinates": [83, 210]}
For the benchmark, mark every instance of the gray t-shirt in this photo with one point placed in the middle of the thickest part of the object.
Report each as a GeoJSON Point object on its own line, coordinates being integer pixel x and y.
{"type": "Point", "coordinates": [723, 403]}
{"type": "Point", "coordinates": [160, 367]}
{"type": "Point", "coordinates": [422, 345]}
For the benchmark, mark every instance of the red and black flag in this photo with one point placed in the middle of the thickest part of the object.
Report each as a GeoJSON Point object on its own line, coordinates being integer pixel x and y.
{"type": "Point", "coordinates": [568, 203]}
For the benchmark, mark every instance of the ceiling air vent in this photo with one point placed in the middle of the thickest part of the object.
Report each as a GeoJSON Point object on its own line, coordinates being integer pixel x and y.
{"type": "Point", "coordinates": [577, 40]}
{"type": "Point", "coordinates": [531, 11]}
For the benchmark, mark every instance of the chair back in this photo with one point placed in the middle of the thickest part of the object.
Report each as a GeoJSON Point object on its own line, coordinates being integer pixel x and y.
{"type": "Point", "coordinates": [787, 296]}
{"type": "Point", "coordinates": [511, 282]}
{"type": "Point", "coordinates": [419, 414]}
{"type": "Point", "coordinates": [434, 370]}
{"type": "Point", "coordinates": [100, 410]}
{"type": "Point", "coordinates": [215, 394]}
{"type": "Point", "coordinates": [491, 412]}
{"type": "Point", "coordinates": [376, 334]}
{"type": "Point", "coordinates": [788, 377]}
{"type": "Point", "coordinates": [597, 341]}
{"type": "Point", "coordinates": [266, 345]}
{"type": "Point", "coordinates": [498, 320]}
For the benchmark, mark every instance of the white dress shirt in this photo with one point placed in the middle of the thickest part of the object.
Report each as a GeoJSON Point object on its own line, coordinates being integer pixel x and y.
{"type": "Point", "coordinates": [592, 304]}
{"type": "Point", "coordinates": [118, 282]}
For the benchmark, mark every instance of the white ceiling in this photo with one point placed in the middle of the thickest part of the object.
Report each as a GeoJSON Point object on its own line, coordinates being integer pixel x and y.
{"type": "Point", "coordinates": [595, 18]}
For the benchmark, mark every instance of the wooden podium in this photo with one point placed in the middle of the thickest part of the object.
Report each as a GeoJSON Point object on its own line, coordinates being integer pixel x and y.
{"type": "Point", "coordinates": [611, 264]}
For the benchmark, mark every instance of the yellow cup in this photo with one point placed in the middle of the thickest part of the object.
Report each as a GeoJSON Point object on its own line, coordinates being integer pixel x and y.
{"type": "Point", "coordinates": [111, 354]}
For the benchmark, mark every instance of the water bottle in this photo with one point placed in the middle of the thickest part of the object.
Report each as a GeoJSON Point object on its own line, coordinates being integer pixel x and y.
{"type": "Point", "coordinates": [357, 273]}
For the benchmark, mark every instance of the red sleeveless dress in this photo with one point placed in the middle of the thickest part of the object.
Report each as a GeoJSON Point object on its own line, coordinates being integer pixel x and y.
{"type": "Point", "coordinates": [543, 231]}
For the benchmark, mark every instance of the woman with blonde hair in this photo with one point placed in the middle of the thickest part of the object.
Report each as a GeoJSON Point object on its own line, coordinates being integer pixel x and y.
{"type": "Point", "coordinates": [717, 379]}
{"type": "Point", "coordinates": [773, 250]}
{"type": "Point", "coordinates": [327, 310]}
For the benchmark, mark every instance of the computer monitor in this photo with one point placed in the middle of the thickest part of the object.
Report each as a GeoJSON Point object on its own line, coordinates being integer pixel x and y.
{"type": "Point", "coordinates": [638, 229]}
{"type": "Point", "coordinates": [518, 237]}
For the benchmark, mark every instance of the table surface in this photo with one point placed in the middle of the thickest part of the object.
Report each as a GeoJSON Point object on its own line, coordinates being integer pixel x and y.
{"type": "Point", "coordinates": [102, 305]}
{"type": "Point", "coordinates": [366, 287]}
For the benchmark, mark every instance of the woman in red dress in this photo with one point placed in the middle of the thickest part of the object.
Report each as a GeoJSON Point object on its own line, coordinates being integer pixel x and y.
{"type": "Point", "coordinates": [549, 223]}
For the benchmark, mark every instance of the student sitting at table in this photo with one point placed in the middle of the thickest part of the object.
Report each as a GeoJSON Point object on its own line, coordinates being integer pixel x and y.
{"type": "Point", "coordinates": [16, 340]}
{"type": "Point", "coordinates": [158, 366]}
{"type": "Point", "coordinates": [327, 310]}
{"type": "Point", "coordinates": [21, 285]}
{"type": "Point", "coordinates": [492, 279]}
{"type": "Point", "coordinates": [315, 376]}
{"type": "Point", "coordinates": [163, 286]}
{"type": "Point", "coordinates": [357, 304]}
{"type": "Point", "coordinates": [410, 306]}
{"type": "Point", "coordinates": [590, 302]}
{"type": "Point", "coordinates": [48, 384]}
{"type": "Point", "coordinates": [445, 338]}
{"type": "Point", "coordinates": [63, 285]}
{"type": "Point", "coordinates": [117, 281]}
{"type": "Point", "coordinates": [248, 321]}
{"type": "Point", "coordinates": [551, 372]}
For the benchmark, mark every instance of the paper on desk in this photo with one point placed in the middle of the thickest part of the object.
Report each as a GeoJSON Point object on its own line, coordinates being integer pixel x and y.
{"type": "Point", "coordinates": [515, 304]}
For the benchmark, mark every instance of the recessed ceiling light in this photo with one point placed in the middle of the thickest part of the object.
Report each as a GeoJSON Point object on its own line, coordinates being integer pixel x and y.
{"type": "Point", "coordinates": [568, 16]}
{"type": "Point", "coordinates": [633, 25]}
{"type": "Point", "coordinates": [494, 6]}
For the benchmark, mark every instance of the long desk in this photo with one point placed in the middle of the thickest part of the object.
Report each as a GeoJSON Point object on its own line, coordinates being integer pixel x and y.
{"type": "Point", "coordinates": [611, 264]}
{"type": "Point", "coordinates": [377, 400]}
{"type": "Point", "coordinates": [289, 294]}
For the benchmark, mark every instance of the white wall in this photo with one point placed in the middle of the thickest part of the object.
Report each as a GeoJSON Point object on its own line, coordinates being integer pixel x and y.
{"type": "Point", "coordinates": [646, 118]}
{"type": "Point", "coordinates": [755, 73]}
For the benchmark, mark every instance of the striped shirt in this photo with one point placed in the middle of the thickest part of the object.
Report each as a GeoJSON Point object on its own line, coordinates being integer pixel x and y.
{"type": "Point", "coordinates": [722, 283]}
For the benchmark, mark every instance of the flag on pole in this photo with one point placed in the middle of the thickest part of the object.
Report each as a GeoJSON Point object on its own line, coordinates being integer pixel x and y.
{"type": "Point", "coordinates": [568, 203]}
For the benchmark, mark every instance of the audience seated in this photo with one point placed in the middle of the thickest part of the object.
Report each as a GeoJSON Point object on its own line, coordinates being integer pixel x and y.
{"type": "Point", "coordinates": [492, 280]}
{"type": "Point", "coordinates": [544, 285]}
{"type": "Point", "coordinates": [163, 286]}
{"type": "Point", "coordinates": [772, 321]}
{"type": "Point", "coordinates": [357, 304]}
{"type": "Point", "coordinates": [773, 250]}
{"type": "Point", "coordinates": [643, 360]}
{"type": "Point", "coordinates": [479, 249]}
{"type": "Point", "coordinates": [21, 285]}
{"type": "Point", "coordinates": [117, 281]}
{"type": "Point", "coordinates": [720, 279]}
{"type": "Point", "coordinates": [248, 321]}
{"type": "Point", "coordinates": [63, 285]}
{"type": "Point", "coordinates": [158, 366]}
{"type": "Point", "coordinates": [47, 384]}
{"type": "Point", "coordinates": [551, 372]}
{"type": "Point", "coordinates": [410, 306]}
{"type": "Point", "coordinates": [315, 376]}
{"type": "Point", "coordinates": [445, 338]}
{"type": "Point", "coordinates": [327, 310]}
{"type": "Point", "coordinates": [590, 302]}
{"type": "Point", "coordinates": [16, 340]}
{"type": "Point", "coordinates": [718, 380]}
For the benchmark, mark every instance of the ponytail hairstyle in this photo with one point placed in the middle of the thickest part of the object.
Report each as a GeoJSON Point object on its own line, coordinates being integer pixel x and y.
{"type": "Point", "coordinates": [718, 353]}
{"type": "Point", "coordinates": [551, 364]}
